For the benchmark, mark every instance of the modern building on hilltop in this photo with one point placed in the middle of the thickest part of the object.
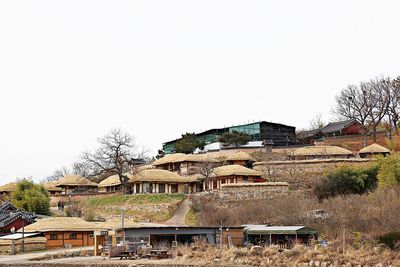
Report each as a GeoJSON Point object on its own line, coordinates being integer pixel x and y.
{"type": "Point", "coordinates": [275, 133]}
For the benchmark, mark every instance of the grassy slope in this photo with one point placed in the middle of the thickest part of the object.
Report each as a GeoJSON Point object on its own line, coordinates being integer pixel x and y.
{"type": "Point", "coordinates": [153, 208]}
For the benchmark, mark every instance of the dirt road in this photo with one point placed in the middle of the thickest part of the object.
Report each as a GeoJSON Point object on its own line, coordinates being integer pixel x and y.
{"type": "Point", "coordinates": [179, 217]}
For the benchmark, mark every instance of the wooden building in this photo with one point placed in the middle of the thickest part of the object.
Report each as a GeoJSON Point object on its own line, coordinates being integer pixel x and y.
{"type": "Point", "coordinates": [283, 236]}
{"type": "Point", "coordinates": [320, 152]}
{"type": "Point", "coordinates": [75, 184]}
{"type": "Point", "coordinates": [12, 219]}
{"type": "Point", "coordinates": [340, 128]}
{"type": "Point", "coordinates": [373, 150]}
{"type": "Point", "coordinates": [63, 232]}
{"type": "Point", "coordinates": [231, 174]}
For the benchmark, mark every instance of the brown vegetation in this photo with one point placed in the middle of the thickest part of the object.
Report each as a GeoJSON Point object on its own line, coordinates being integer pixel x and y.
{"type": "Point", "coordinates": [371, 215]}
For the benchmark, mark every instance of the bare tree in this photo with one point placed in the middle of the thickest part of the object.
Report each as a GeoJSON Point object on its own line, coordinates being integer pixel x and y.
{"type": "Point", "coordinates": [393, 112]}
{"type": "Point", "coordinates": [317, 122]}
{"type": "Point", "coordinates": [206, 170]}
{"type": "Point", "coordinates": [59, 173]}
{"type": "Point", "coordinates": [378, 101]}
{"type": "Point", "coordinates": [115, 155]}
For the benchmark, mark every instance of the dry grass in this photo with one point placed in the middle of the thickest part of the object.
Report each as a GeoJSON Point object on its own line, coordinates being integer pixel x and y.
{"type": "Point", "coordinates": [207, 255]}
{"type": "Point", "coordinates": [370, 215]}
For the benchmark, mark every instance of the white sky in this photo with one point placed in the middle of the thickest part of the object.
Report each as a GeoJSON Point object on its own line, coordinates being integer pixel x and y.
{"type": "Point", "coordinates": [70, 71]}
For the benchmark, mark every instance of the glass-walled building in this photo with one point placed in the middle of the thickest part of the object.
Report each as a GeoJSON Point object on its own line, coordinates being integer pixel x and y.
{"type": "Point", "coordinates": [275, 133]}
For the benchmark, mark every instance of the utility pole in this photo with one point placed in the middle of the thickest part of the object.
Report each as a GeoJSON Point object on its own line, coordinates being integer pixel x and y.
{"type": "Point", "coordinates": [220, 237]}
{"type": "Point", "coordinates": [123, 223]}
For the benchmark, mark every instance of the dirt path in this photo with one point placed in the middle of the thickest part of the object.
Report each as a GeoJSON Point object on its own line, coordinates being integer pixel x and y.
{"type": "Point", "coordinates": [179, 217]}
{"type": "Point", "coordinates": [20, 258]}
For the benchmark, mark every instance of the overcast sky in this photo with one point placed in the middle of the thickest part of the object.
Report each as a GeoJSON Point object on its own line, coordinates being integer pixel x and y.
{"type": "Point", "coordinates": [70, 71]}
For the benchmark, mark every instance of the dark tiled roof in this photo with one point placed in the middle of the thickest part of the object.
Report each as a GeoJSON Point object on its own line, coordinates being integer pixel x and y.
{"type": "Point", "coordinates": [334, 127]}
{"type": "Point", "coordinates": [9, 213]}
{"type": "Point", "coordinates": [309, 133]}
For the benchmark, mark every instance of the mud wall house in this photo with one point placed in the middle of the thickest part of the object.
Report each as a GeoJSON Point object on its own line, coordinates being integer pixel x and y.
{"type": "Point", "coordinates": [64, 231]}
{"type": "Point", "coordinates": [320, 152]}
{"type": "Point", "coordinates": [158, 181]}
{"type": "Point", "coordinates": [111, 184]}
{"type": "Point", "coordinates": [12, 219]}
{"type": "Point", "coordinates": [232, 174]}
{"type": "Point", "coordinates": [274, 133]}
{"type": "Point", "coordinates": [75, 184]}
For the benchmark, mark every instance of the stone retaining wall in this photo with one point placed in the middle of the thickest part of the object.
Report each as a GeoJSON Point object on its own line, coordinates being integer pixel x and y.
{"type": "Point", "coordinates": [252, 191]}
{"type": "Point", "coordinates": [30, 244]}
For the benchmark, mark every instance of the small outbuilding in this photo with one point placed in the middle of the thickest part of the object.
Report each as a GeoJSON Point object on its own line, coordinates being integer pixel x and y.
{"type": "Point", "coordinates": [373, 150]}
{"type": "Point", "coordinates": [75, 184]}
{"type": "Point", "coordinates": [284, 236]}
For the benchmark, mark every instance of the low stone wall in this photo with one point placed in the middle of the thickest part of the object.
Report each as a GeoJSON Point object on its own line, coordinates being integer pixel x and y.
{"type": "Point", "coordinates": [79, 197]}
{"type": "Point", "coordinates": [252, 190]}
{"type": "Point", "coordinates": [30, 244]}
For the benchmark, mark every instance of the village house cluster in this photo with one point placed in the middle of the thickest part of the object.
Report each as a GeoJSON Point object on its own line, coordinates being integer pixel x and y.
{"type": "Point", "coordinates": [213, 168]}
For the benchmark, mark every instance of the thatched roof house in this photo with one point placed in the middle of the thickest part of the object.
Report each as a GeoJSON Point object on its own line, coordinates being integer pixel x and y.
{"type": "Point", "coordinates": [311, 152]}
{"type": "Point", "coordinates": [232, 174]}
{"type": "Point", "coordinates": [158, 181]}
{"type": "Point", "coordinates": [71, 184]}
{"type": "Point", "coordinates": [110, 184]}
{"type": "Point", "coordinates": [7, 189]}
{"type": "Point", "coordinates": [373, 149]}
{"type": "Point", "coordinates": [52, 188]}
{"type": "Point", "coordinates": [63, 231]}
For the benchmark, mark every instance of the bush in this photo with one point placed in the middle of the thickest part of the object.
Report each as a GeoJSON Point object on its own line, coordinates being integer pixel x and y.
{"type": "Point", "coordinates": [391, 239]}
{"type": "Point", "coordinates": [389, 170]}
{"type": "Point", "coordinates": [347, 180]}
{"type": "Point", "coordinates": [31, 197]}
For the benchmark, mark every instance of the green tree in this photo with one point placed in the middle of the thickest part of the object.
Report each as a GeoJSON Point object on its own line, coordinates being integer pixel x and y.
{"type": "Point", "coordinates": [347, 180]}
{"type": "Point", "coordinates": [188, 143]}
{"type": "Point", "coordinates": [31, 197]}
{"type": "Point", "coordinates": [234, 138]}
{"type": "Point", "coordinates": [389, 170]}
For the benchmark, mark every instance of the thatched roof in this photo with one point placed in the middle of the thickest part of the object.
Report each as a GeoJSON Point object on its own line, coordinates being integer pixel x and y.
{"type": "Point", "coordinates": [321, 151]}
{"type": "Point", "coordinates": [180, 157]}
{"type": "Point", "coordinates": [61, 224]}
{"type": "Point", "coordinates": [10, 187]}
{"type": "Point", "coordinates": [239, 156]}
{"type": "Point", "coordinates": [374, 149]}
{"type": "Point", "coordinates": [52, 186]}
{"type": "Point", "coordinates": [170, 158]}
{"type": "Point", "coordinates": [74, 180]}
{"type": "Point", "coordinates": [110, 181]}
{"type": "Point", "coordinates": [145, 167]}
{"type": "Point", "coordinates": [157, 175]}
{"type": "Point", "coordinates": [229, 170]}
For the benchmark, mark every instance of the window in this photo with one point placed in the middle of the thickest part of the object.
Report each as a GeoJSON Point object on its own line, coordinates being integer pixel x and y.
{"type": "Point", "coordinates": [245, 178]}
{"type": "Point", "coordinates": [53, 236]}
{"type": "Point", "coordinates": [73, 236]}
{"type": "Point", "coordinates": [148, 188]}
{"type": "Point", "coordinates": [223, 181]}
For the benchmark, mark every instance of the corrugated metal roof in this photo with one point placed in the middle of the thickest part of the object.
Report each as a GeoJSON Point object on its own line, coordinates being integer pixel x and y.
{"type": "Point", "coordinates": [264, 229]}
{"type": "Point", "coordinates": [17, 236]}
